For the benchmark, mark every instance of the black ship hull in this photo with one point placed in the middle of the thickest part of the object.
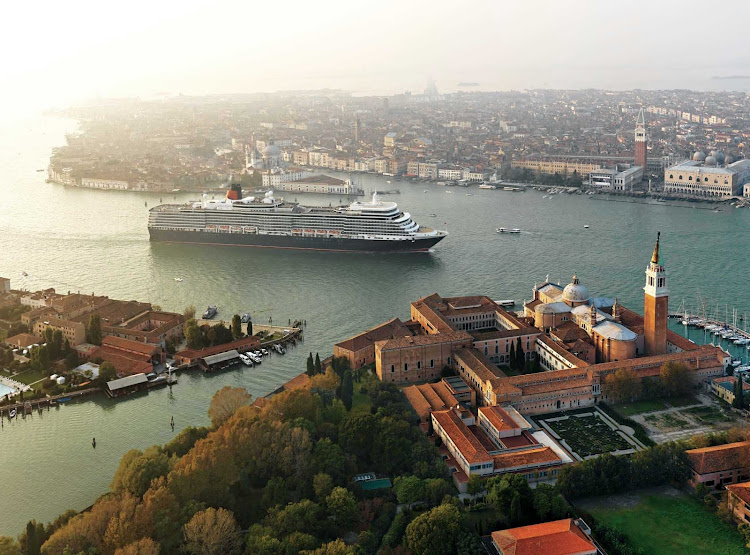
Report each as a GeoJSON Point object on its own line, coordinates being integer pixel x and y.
{"type": "Point", "coordinates": [293, 242]}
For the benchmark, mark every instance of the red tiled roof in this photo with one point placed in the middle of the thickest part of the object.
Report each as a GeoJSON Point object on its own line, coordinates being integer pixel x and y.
{"type": "Point", "coordinates": [708, 460]}
{"type": "Point", "coordinates": [429, 397]}
{"type": "Point", "coordinates": [417, 340]}
{"type": "Point", "coordinates": [478, 363]}
{"type": "Point", "coordinates": [130, 345]}
{"type": "Point", "coordinates": [466, 442]}
{"type": "Point", "coordinates": [741, 491]}
{"type": "Point", "coordinates": [560, 537]}
{"type": "Point", "coordinates": [499, 419]}
{"type": "Point", "coordinates": [516, 460]}
{"type": "Point", "coordinates": [23, 340]}
{"type": "Point", "coordinates": [388, 330]}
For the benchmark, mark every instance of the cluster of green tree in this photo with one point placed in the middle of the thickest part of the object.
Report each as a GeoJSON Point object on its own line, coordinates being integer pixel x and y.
{"type": "Point", "coordinates": [6, 356]}
{"type": "Point", "coordinates": [283, 471]}
{"type": "Point", "coordinates": [518, 361]}
{"type": "Point", "coordinates": [674, 380]}
{"type": "Point", "coordinates": [314, 367]}
{"type": "Point", "coordinates": [721, 437]}
{"type": "Point", "coordinates": [12, 312]}
{"type": "Point", "coordinates": [657, 465]}
{"type": "Point", "coordinates": [200, 337]}
{"type": "Point", "coordinates": [525, 175]}
{"type": "Point", "coordinates": [15, 328]}
{"type": "Point", "coordinates": [94, 330]}
{"type": "Point", "coordinates": [740, 401]}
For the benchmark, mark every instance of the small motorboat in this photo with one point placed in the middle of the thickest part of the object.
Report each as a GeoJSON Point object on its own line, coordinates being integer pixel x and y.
{"type": "Point", "coordinates": [586, 226]}
{"type": "Point", "coordinates": [433, 215]}
{"type": "Point", "coordinates": [449, 192]}
{"type": "Point", "coordinates": [515, 230]}
{"type": "Point", "coordinates": [178, 279]}
{"type": "Point", "coordinates": [426, 191]}
{"type": "Point", "coordinates": [500, 230]}
{"type": "Point", "coordinates": [245, 318]}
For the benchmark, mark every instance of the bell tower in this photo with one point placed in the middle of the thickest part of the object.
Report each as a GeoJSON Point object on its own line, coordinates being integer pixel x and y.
{"type": "Point", "coordinates": [641, 148]}
{"type": "Point", "coordinates": [656, 305]}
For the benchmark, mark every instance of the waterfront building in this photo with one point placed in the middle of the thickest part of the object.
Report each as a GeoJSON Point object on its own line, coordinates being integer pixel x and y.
{"type": "Point", "coordinates": [127, 385]}
{"type": "Point", "coordinates": [577, 340]}
{"type": "Point", "coordinates": [738, 501]}
{"type": "Point", "coordinates": [94, 183]}
{"type": "Point", "coordinates": [615, 179]}
{"type": "Point", "coordinates": [4, 285]}
{"type": "Point", "coordinates": [360, 349]}
{"type": "Point", "coordinates": [641, 147]}
{"type": "Point", "coordinates": [560, 537]}
{"type": "Point", "coordinates": [429, 397]}
{"type": "Point", "coordinates": [703, 177]}
{"type": "Point", "coordinates": [556, 165]}
{"type": "Point", "coordinates": [717, 467]}
{"type": "Point", "coordinates": [191, 357]}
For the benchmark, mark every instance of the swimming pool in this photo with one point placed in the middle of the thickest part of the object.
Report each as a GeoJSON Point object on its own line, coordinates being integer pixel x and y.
{"type": "Point", "coordinates": [4, 390]}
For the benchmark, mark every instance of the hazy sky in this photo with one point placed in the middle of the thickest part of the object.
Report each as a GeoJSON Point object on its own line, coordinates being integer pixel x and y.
{"type": "Point", "coordinates": [57, 52]}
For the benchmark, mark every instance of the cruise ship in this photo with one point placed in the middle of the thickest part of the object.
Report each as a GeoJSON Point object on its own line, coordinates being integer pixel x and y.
{"type": "Point", "coordinates": [374, 226]}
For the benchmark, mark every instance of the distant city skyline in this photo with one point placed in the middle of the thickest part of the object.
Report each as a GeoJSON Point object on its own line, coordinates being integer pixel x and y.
{"type": "Point", "coordinates": [78, 52]}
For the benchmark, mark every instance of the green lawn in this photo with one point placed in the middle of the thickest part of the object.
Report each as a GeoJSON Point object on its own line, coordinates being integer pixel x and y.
{"type": "Point", "coordinates": [30, 376]}
{"type": "Point", "coordinates": [683, 401]}
{"type": "Point", "coordinates": [637, 407]}
{"type": "Point", "coordinates": [360, 401]}
{"type": "Point", "coordinates": [663, 525]}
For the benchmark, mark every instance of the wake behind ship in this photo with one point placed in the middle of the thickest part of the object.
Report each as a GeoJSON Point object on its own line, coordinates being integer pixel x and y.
{"type": "Point", "coordinates": [374, 226]}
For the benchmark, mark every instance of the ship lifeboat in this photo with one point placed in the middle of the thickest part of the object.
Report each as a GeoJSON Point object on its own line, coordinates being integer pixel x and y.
{"type": "Point", "coordinates": [235, 229]}
{"type": "Point", "coordinates": [296, 232]}
{"type": "Point", "coordinates": [223, 228]}
{"type": "Point", "coordinates": [249, 229]}
{"type": "Point", "coordinates": [334, 232]}
{"type": "Point", "coordinates": [311, 231]}
{"type": "Point", "coordinates": [321, 232]}
{"type": "Point", "coordinates": [210, 228]}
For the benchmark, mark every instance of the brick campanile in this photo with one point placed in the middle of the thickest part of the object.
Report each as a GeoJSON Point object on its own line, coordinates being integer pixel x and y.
{"type": "Point", "coordinates": [656, 305]}
{"type": "Point", "coordinates": [640, 141]}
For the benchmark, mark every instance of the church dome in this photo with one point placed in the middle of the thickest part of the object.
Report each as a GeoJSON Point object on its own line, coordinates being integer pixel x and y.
{"type": "Point", "coordinates": [711, 161]}
{"type": "Point", "coordinates": [272, 150]}
{"type": "Point", "coordinates": [699, 156]}
{"type": "Point", "coordinates": [729, 159]}
{"type": "Point", "coordinates": [575, 292]}
{"type": "Point", "coordinates": [720, 157]}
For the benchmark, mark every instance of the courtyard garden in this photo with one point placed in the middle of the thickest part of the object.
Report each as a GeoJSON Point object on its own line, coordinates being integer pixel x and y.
{"type": "Point", "coordinates": [588, 435]}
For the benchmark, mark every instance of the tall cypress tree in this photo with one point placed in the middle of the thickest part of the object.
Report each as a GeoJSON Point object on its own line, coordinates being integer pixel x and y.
{"type": "Point", "coordinates": [520, 358]}
{"type": "Point", "coordinates": [310, 366]}
{"type": "Point", "coordinates": [347, 390]}
{"type": "Point", "coordinates": [318, 366]}
{"type": "Point", "coordinates": [512, 356]}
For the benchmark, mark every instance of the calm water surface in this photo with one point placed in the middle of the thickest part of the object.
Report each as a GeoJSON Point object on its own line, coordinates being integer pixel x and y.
{"type": "Point", "coordinates": [96, 241]}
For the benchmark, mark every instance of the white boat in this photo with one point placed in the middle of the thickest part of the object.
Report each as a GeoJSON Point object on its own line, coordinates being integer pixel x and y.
{"type": "Point", "coordinates": [469, 195]}
{"type": "Point", "coordinates": [449, 192]}
{"type": "Point", "coordinates": [501, 230]}
{"type": "Point", "coordinates": [426, 191]}
{"type": "Point", "coordinates": [515, 230]}
{"type": "Point", "coordinates": [586, 226]}
{"type": "Point", "coordinates": [178, 279]}
{"type": "Point", "coordinates": [487, 186]}
{"type": "Point", "coordinates": [246, 360]}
